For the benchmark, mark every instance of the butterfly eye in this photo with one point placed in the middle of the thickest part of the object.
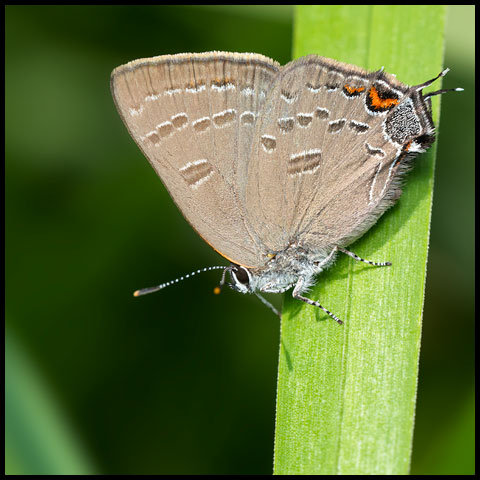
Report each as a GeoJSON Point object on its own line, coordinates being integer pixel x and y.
{"type": "Point", "coordinates": [241, 275]}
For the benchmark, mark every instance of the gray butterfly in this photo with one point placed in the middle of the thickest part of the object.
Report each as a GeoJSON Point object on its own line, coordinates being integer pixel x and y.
{"type": "Point", "coordinates": [277, 168]}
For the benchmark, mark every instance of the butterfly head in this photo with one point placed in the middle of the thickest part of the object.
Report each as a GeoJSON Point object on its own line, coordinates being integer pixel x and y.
{"type": "Point", "coordinates": [245, 280]}
{"type": "Point", "coordinates": [242, 279]}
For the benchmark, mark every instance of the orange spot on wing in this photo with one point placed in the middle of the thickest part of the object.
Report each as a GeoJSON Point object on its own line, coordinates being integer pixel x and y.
{"type": "Point", "coordinates": [378, 102]}
{"type": "Point", "coordinates": [350, 89]}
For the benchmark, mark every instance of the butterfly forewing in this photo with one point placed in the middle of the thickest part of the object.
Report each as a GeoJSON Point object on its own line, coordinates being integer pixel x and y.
{"type": "Point", "coordinates": [194, 117]}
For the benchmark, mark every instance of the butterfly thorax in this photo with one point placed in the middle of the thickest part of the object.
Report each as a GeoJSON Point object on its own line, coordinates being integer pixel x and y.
{"type": "Point", "coordinates": [282, 271]}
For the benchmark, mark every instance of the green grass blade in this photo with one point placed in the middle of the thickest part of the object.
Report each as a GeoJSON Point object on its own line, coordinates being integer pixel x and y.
{"type": "Point", "coordinates": [346, 394]}
{"type": "Point", "coordinates": [39, 439]}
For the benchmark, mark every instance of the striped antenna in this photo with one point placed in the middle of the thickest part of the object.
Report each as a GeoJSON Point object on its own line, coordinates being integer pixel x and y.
{"type": "Point", "coordinates": [145, 291]}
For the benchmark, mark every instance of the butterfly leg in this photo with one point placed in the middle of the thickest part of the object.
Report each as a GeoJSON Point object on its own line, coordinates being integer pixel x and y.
{"type": "Point", "coordinates": [296, 294]}
{"type": "Point", "coordinates": [268, 304]}
{"type": "Point", "coordinates": [356, 257]}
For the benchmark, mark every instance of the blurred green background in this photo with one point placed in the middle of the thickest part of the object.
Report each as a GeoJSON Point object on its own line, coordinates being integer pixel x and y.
{"type": "Point", "coordinates": [183, 381]}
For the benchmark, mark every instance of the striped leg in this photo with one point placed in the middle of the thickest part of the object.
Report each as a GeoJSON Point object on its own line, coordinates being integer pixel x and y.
{"type": "Point", "coordinates": [296, 294]}
{"type": "Point", "coordinates": [356, 257]}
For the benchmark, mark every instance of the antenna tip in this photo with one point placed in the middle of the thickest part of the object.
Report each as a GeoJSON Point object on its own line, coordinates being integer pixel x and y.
{"type": "Point", "coordinates": [459, 89]}
{"type": "Point", "coordinates": [217, 290]}
{"type": "Point", "coordinates": [136, 293]}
